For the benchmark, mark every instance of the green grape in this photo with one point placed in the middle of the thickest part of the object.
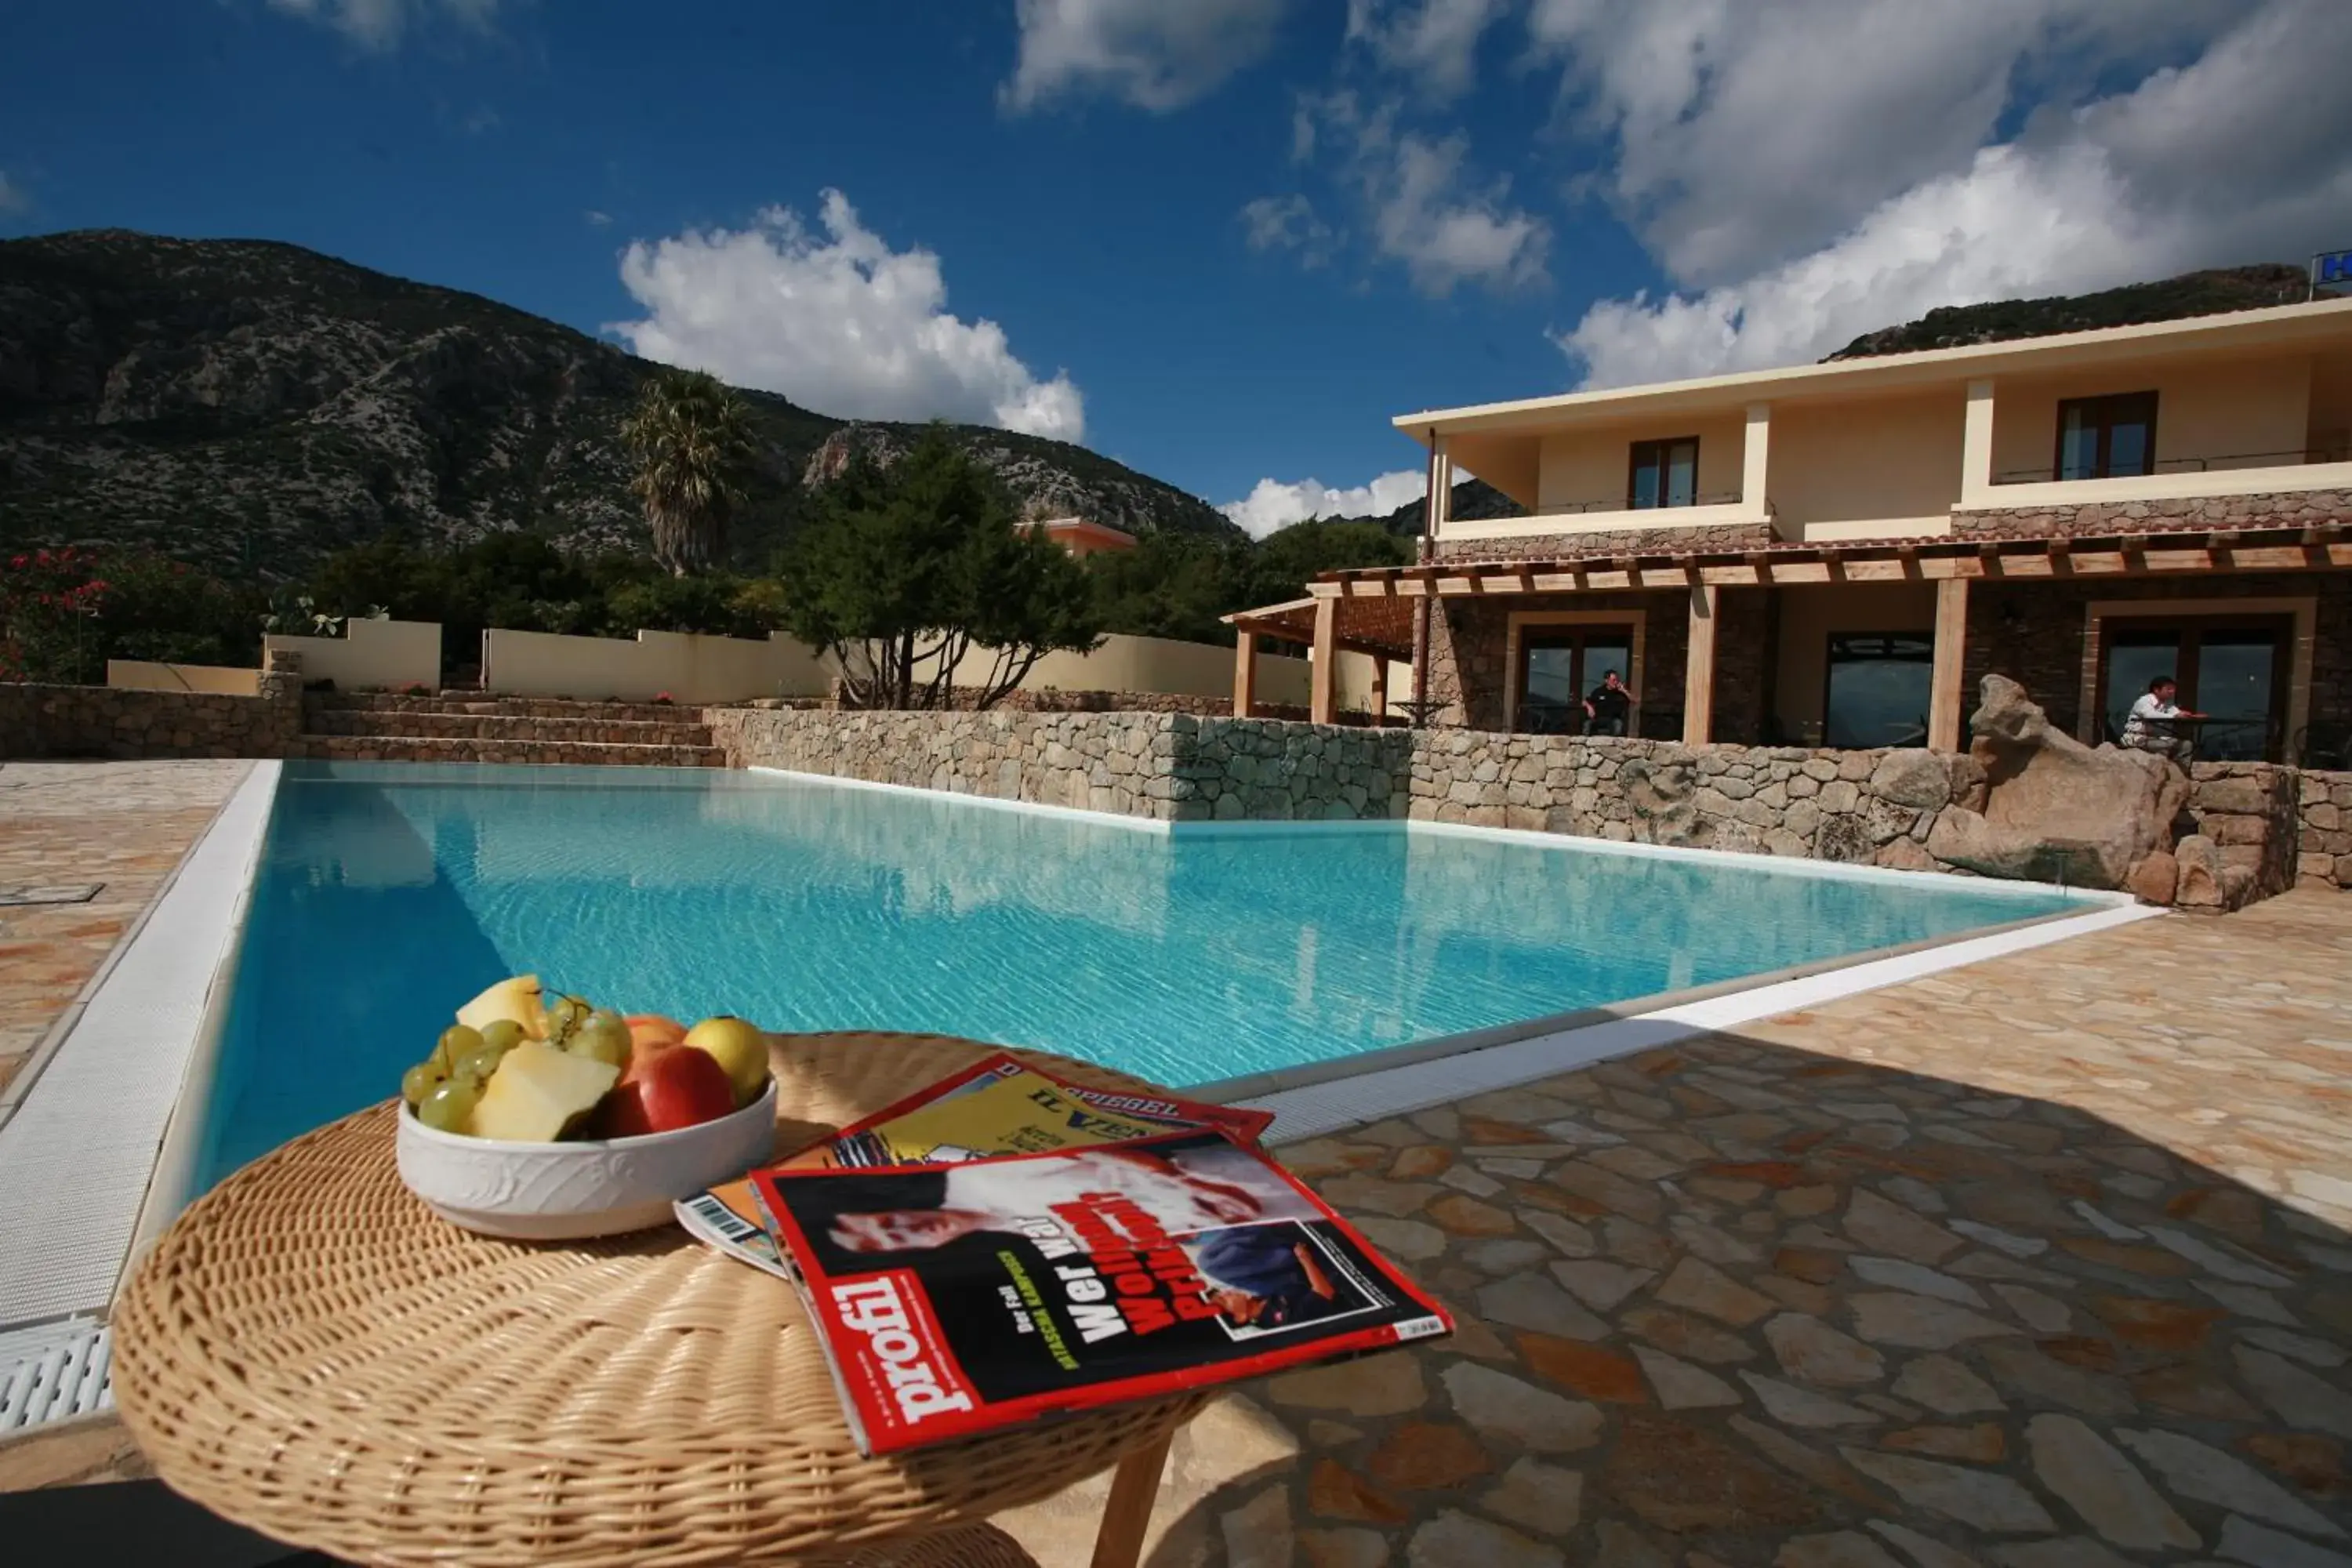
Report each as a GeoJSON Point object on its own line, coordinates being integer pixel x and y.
{"type": "Point", "coordinates": [455, 1042]}
{"type": "Point", "coordinates": [421, 1080]}
{"type": "Point", "coordinates": [601, 1036]}
{"type": "Point", "coordinates": [450, 1106]}
{"type": "Point", "coordinates": [480, 1063]}
{"type": "Point", "coordinates": [504, 1034]}
{"type": "Point", "coordinates": [564, 1014]}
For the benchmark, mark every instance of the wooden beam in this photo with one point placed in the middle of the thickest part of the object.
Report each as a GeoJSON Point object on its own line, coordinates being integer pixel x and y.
{"type": "Point", "coordinates": [1323, 679]}
{"type": "Point", "coordinates": [1945, 697]}
{"type": "Point", "coordinates": [1244, 674]}
{"type": "Point", "coordinates": [1380, 686]}
{"type": "Point", "coordinates": [1699, 677]}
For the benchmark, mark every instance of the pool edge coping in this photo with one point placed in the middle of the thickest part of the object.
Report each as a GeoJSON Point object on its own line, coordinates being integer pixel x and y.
{"type": "Point", "coordinates": [1333, 1104]}
{"type": "Point", "coordinates": [216, 901]}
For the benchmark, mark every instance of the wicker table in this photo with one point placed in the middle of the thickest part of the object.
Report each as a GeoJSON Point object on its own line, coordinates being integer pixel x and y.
{"type": "Point", "coordinates": [309, 1352]}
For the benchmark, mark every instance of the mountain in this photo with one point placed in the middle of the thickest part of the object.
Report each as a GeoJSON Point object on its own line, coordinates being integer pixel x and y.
{"type": "Point", "coordinates": [1473, 500]}
{"type": "Point", "coordinates": [257, 406]}
{"type": "Point", "coordinates": [2209, 293]}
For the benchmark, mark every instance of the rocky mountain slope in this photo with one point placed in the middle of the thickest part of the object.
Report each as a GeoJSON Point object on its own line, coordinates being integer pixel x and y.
{"type": "Point", "coordinates": [257, 406]}
{"type": "Point", "coordinates": [2209, 293]}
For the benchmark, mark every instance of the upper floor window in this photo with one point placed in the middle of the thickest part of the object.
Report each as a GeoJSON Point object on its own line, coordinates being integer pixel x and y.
{"type": "Point", "coordinates": [1665, 473]}
{"type": "Point", "coordinates": [2109, 437]}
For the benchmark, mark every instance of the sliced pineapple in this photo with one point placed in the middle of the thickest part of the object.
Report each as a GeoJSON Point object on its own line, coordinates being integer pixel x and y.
{"type": "Point", "coordinates": [538, 1092]}
{"type": "Point", "coordinates": [517, 1000]}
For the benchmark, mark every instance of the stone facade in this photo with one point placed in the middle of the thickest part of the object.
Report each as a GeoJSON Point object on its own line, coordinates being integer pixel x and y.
{"type": "Point", "coordinates": [2325, 848]}
{"type": "Point", "coordinates": [106, 721]}
{"type": "Point", "coordinates": [2033, 632]}
{"type": "Point", "coordinates": [1602, 546]}
{"type": "Point", "coordinates": [2287, 509]}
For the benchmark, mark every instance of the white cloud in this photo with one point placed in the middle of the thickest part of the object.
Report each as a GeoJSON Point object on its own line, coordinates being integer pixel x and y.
{"type": "Point", "coordinates": [838, 322]}
{"type": "Point", "coordinates": [1287, 223]}
{"type": "Point", "coordinates": [379, 24]}
{"type": "Point", "coordinates": [2192, 166]}
{"type": "Point", "coordinates": [1425, 208]}
{"type": "Point", "coordinates": [1157, 55]}
{"type": "Point", "coordinates": [595, 219]}
{"type": "Point", "coordinates": [1272, 504]}
{"type": "Point", "coordinates": [14, 198]}
{"type": "Point", "coordinates": [1434, 41]}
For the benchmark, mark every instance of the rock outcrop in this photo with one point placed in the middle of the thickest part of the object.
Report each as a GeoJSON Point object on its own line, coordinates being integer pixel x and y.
{"type": "Point", "coordinates": [2055, 809]}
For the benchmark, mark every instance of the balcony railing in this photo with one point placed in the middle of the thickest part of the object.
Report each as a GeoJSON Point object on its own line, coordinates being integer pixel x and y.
{"type": "Point", "coordinates": [1620, 503]}
{"type": "Point", "coordinates": [2335, 450]}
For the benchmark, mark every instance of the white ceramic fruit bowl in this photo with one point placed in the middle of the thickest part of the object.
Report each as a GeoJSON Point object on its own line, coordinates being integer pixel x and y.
{"type": "Point", "coordinates": [558, 1192]}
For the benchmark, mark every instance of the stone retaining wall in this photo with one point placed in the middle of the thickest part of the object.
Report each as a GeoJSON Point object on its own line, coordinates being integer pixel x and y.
{"type": "Point", "coordinates": [2244, 844]}
{"type": "Point", "coordinates": [2281, 509]}
{"type": "Point", "coordinates": [2325, 858]}
{"type": "Point", "coordinates": [2239, 834]}
{"type": "Point", "coordinates": [108, 722]}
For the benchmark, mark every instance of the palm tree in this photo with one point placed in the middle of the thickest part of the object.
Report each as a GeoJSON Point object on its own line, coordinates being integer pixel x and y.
{"type": "Point", "coordinates": [691, 439]}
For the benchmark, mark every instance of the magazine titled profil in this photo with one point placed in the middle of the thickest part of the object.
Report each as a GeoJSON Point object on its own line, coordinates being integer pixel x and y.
{"type": "Point", "coordinates": [999, 1105]}
{"type": "Point", "coordinates": [955, 1299]}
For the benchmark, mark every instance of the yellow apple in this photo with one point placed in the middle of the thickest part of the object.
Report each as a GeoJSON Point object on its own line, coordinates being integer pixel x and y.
{"type": "Point", "coordinates": [516, 1000]}
{"type": "Point", "coordinates": [738, 1046]}
{"type": "Point", "coordinates": [538, 1093]}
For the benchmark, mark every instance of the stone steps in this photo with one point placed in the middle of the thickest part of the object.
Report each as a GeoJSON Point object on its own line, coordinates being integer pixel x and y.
{"type": "Point", "coordinates": [476, 705]}
{"type": "Point", "coordinates": [524, 748]}
{"type": "Point", "coordinates": [436, 725]}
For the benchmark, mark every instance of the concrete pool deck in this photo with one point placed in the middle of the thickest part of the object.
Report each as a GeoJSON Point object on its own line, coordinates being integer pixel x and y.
{"type": "Point", "coordinates": [2040, 1262]}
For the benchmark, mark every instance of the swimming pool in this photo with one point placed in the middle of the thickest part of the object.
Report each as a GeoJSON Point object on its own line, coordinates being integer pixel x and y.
{"type": "Point", "coordinates": [389, 893]}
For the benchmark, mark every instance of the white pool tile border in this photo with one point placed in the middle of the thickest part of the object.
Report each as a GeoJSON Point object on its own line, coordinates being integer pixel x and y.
{"type": "Point", "coordinates": [77, 1157]}
{"type": "Point", "coordinates": [1315, 1110]}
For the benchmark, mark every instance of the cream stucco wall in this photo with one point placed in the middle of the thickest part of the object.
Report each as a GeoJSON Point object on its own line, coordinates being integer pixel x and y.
{"type": "Point", "coordinates": [1878, 467]}
{"type": "Point", "coordinates": [2330, 425]}
{"type": "Point", "coordinates": [1583, 466]}
{"type": "Point", "coordinates": [2204, 408]}
{"type": "Point", "coordinates": [224, 680]}
{"type": "Point", "coordinates": [1809, 615]}
{"type": "Point", "coordinates": [390, 654]}
{"type": "Point", "coordinates": [689, 667]}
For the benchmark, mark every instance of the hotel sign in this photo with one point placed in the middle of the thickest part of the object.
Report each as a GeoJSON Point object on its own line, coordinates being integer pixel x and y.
{"type": "Point", "coordinates": [2331, 268]}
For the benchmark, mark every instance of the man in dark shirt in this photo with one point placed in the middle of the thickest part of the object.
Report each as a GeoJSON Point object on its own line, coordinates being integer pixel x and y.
{"type": "Point", "coordinates": [1605, 711]}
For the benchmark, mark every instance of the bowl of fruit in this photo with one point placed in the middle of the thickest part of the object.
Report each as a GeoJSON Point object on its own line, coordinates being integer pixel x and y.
{"type": "Point", "coordinates": [540, 1116]}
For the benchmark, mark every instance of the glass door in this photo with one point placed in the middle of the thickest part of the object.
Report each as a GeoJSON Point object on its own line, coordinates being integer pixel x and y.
{"type": "Point", "coordinates": [2230, 668]}
{"type": "Point", "coordinates": [1559, 668]}
{"type": "Point", "coordinates": [1879, 686]}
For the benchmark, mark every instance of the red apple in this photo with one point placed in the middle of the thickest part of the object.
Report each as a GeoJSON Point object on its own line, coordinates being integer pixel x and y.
{"type": "Point", "coordinates": [666, 1089]}
{"type": "Point", "coordinates": [646, 1027]}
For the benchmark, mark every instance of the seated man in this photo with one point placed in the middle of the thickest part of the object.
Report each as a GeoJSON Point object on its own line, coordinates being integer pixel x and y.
{"type": "Point", "coordinates": [1605, 710]}
{"type": "Point", "coordinates": [1265, 1276]}
{"type": "Point", "coordinates": [2154, 722]}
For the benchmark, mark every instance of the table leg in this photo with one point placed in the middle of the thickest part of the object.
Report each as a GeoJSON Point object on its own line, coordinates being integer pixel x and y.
{"type": "Point", "coordinates": [1134, 1488]}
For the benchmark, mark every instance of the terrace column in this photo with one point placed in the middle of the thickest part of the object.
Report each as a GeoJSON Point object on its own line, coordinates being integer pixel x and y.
{"type": "Point", "coordinates": [1944, 696]}
{"type": "Point", "coordinates": [1323, 700]}
{"type": "Point", "coordinates": [1976, 447]}
{"type": "Point", "coordinates": [1756, 462]}
{"type": "Point", "coordinates": [1698, 677]}
{"type": "Point", "coordinates": [1244, 674]}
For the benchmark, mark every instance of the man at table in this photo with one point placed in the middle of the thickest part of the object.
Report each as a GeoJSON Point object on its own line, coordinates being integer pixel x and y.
{"type": "Point", "coordinates": [1607, 705]}
{"type": "Point", "coordinates": [1265, 1276]}
{"type": "Point", "coordinates": [2153, 724]}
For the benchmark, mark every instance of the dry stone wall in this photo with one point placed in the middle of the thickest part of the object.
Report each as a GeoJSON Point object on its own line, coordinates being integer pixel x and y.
{"type": "Point", "coordinates": [2324, 856]}
{"type": "Point", "coordinates": [2287, 509]}
{"type": "Point", "coordinates": [107, 721]}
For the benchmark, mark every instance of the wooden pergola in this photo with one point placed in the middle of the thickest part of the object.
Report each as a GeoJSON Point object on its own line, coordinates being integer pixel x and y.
{"type": "Point", "coordinates": [1381, 629]}
{"type": "Point", "coordinates": [1370, 609]}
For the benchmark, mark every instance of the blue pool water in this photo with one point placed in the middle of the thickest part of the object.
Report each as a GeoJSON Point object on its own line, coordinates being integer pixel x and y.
{"type": "Point", "coordinates": [389, 893]}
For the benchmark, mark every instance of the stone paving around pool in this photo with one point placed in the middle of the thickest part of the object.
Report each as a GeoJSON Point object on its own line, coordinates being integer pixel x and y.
{"type": "Point", "coordinates": [2041, 1263]}
{"type": "Point", "coordinates": [121, 825]}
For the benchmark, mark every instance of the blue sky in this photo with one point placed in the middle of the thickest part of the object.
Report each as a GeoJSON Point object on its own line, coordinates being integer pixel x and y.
{"type": "Point", "coordinates": [1223, 241]}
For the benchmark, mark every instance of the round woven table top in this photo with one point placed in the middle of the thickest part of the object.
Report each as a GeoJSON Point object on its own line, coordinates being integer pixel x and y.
{"type": "Point", "coordinates": [311, 1352]}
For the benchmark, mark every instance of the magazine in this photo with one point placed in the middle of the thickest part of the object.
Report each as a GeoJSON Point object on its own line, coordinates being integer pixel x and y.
{"type": "Point", "coordinates": [955, 1299]}
{"type": "Point", "coordinates": [999, 1105]}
